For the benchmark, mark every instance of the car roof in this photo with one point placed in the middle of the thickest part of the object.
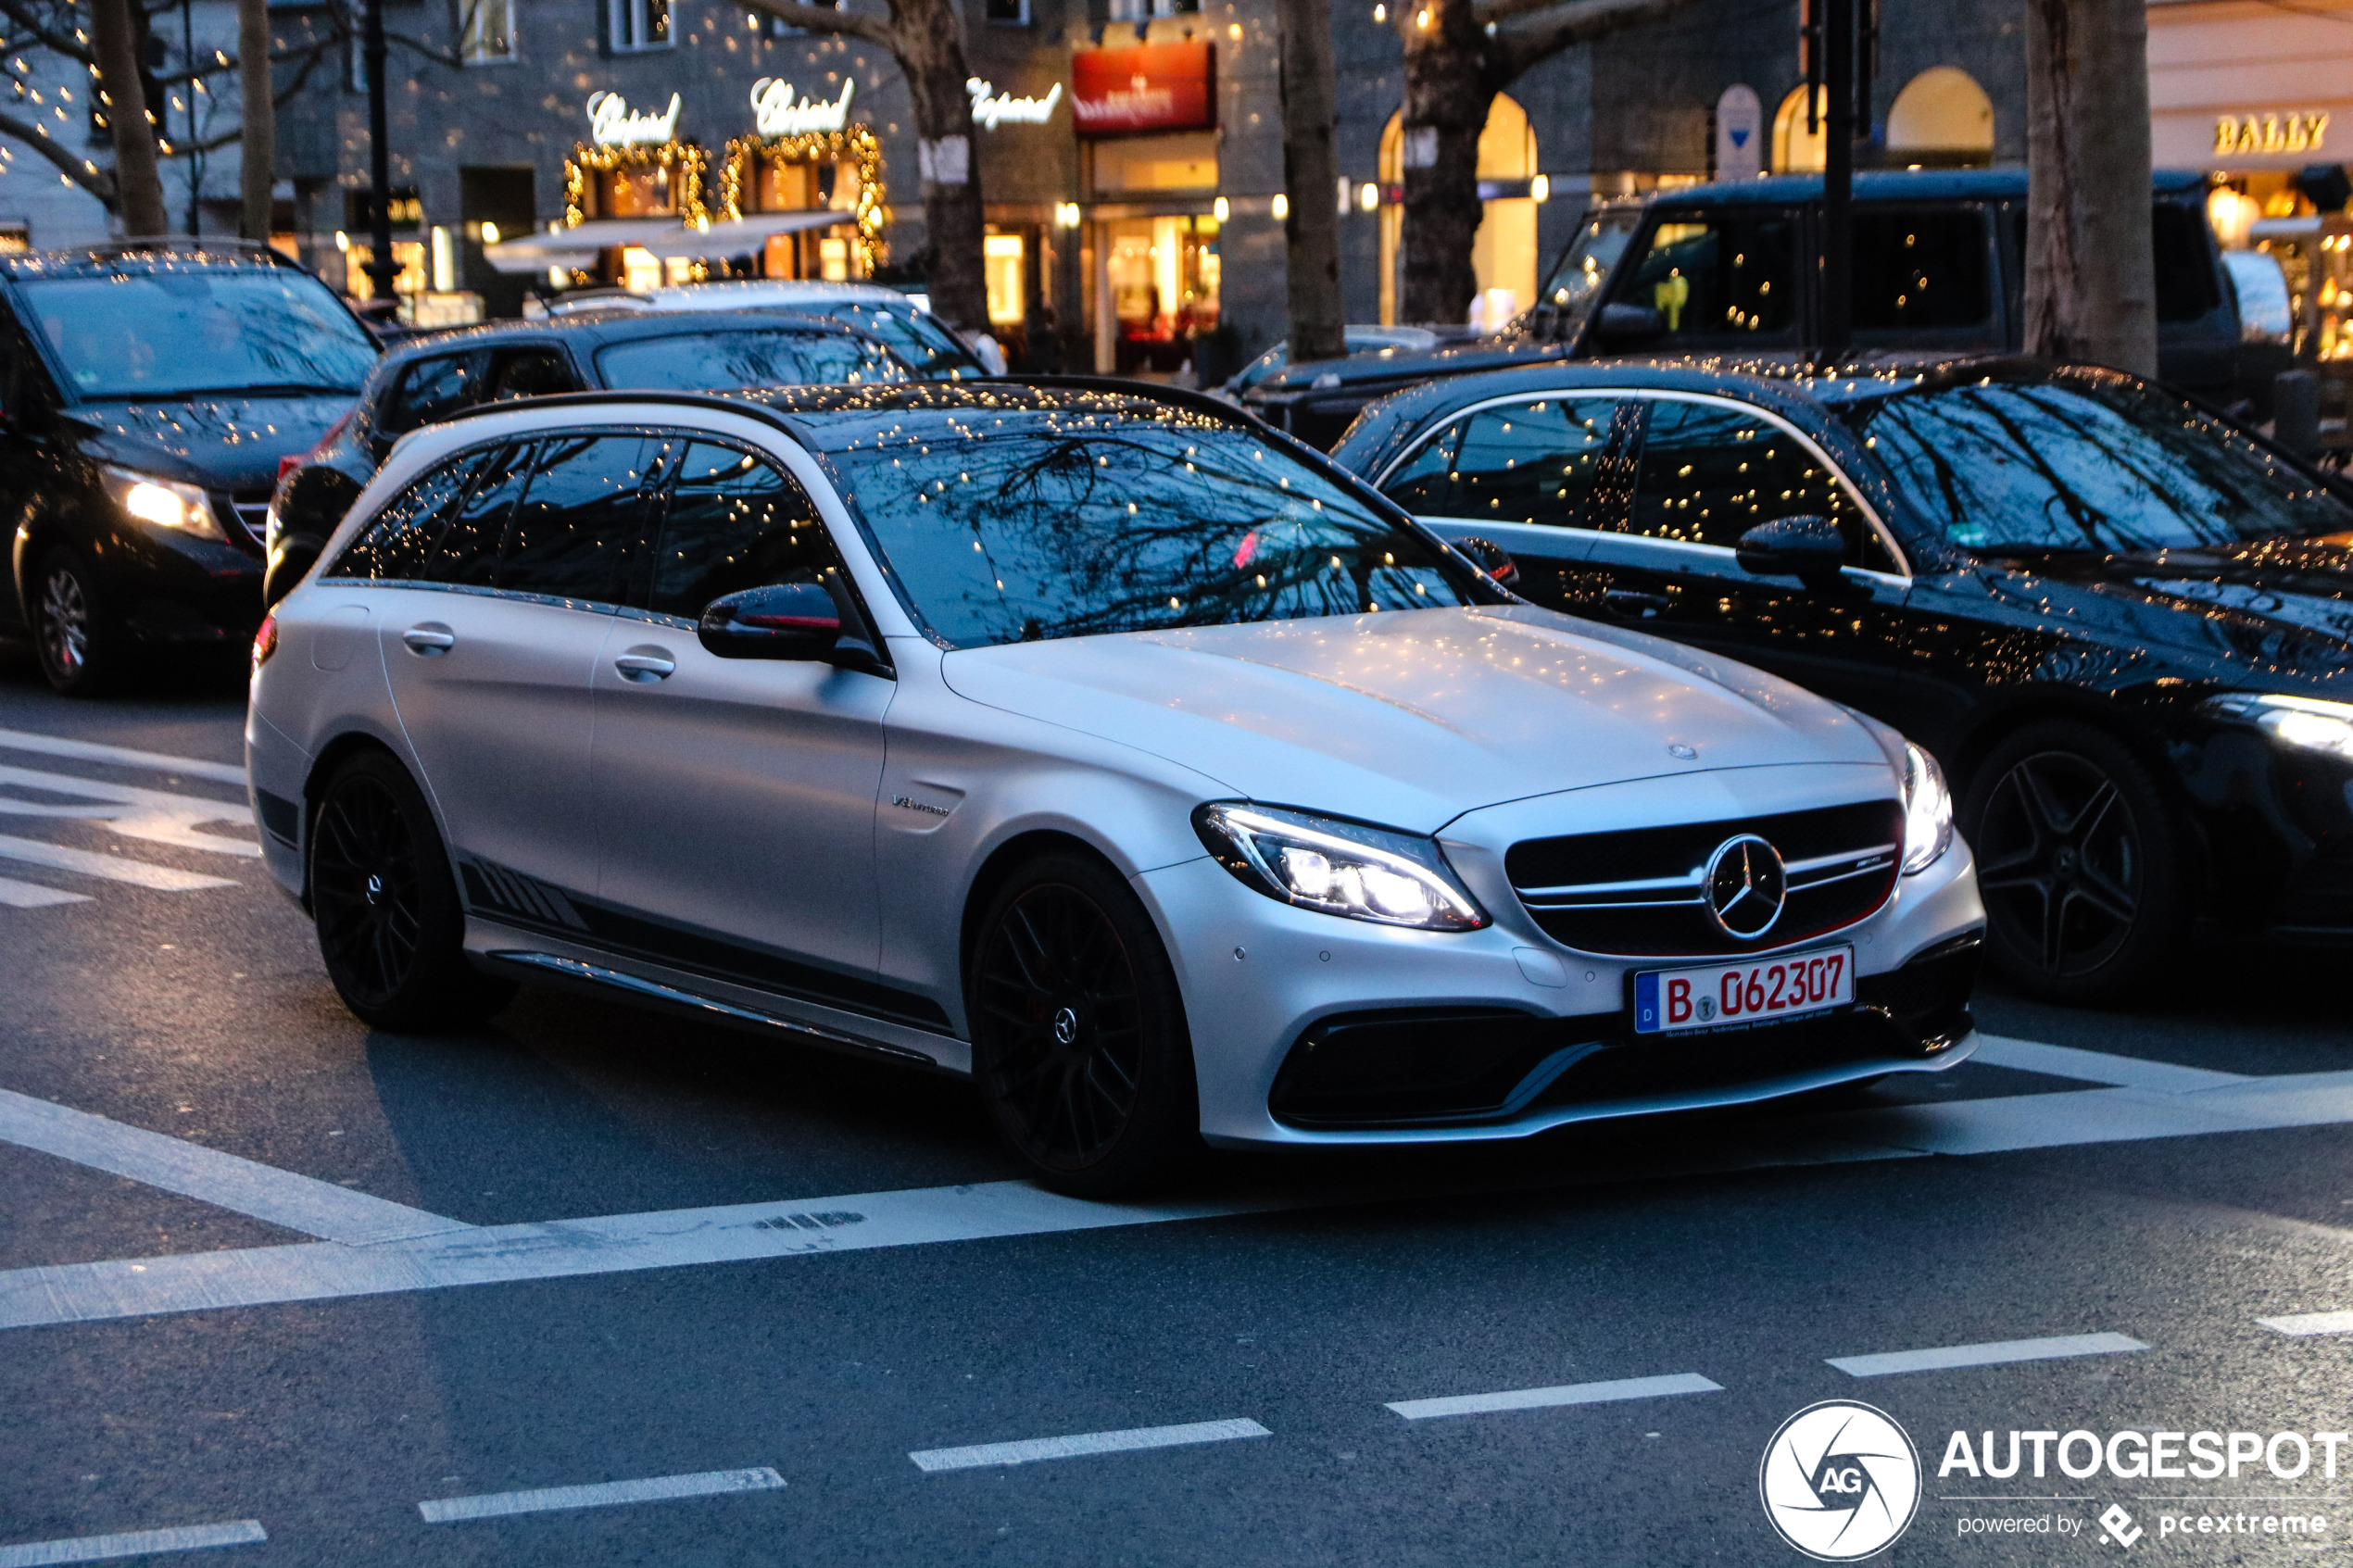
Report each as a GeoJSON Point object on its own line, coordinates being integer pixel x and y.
{"type": "Point", "coordinates": [1893, 185]}
{"type": "Point", "coordinates": [146, 256]}
{"type": "Point", "coordinates": [598, 327]}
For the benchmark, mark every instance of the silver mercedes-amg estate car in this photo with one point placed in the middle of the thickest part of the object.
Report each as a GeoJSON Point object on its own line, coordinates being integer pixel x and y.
{"type": "Point", "coordinates": [1097, 742]}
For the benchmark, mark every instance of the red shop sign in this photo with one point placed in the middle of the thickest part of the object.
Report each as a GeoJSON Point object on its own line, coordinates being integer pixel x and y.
{"type": "Point", "coordinates": [1148, 87]}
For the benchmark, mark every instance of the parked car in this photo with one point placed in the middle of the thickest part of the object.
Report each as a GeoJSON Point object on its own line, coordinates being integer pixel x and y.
{"type": "Point", "coordinates": [912, 333]}
{"type": "Point", "coordinates": [1356, 339]}
{"type": "Point", "coordinates": [2123, 625]}
{"type": "Point", "coordinates": [2267, 325]}
{"type": "Point", "coordinates": [431, 377]}
{"type": "Point", "coordinates": [147, 393]}
{"type": "Point", "coordinates": [1097, 742]}
{"type": "Point", "coordinates": [1938, 265]}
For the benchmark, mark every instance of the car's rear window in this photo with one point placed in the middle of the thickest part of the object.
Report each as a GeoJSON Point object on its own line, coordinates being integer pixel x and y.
{"type": "Point", "coordinates": [703, 361]}
{"type": "Point", "coordinates": [1023, 526]}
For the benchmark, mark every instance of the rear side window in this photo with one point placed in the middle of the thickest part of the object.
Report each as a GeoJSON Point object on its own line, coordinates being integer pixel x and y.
{"type": "Point", "coordinates": [431, 388]}
{"type": "Point", "coordinates": [1921, 268]}
{"type": "Point", "coordinates": [580, 520]}
{"type": "Point", "coordinates": [395, 546]}
{"type": "Point", "coordinates": [733, 521]}
{"type": "Point", "coordinates": [1729, 275]}
{"type": "Point", "coordinates": [1710, 472]}
{"type": "Point", "coordinates": [1529, 462]}
{"type": "Point", "coordinates": [532, 372]}
{"type": "Point", "coordinates": [466, 553]}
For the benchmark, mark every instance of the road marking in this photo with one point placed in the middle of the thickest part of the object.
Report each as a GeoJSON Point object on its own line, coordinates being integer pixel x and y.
{"type": "Point", "coordinates": [2302, 1324]}
{"type": "Point", "coordinates": [32, 896]}
{"type": "Point", "coordinates": [91, 751]}
{"type": "Point", "coordinates": [607, 1494]}
{"type": "Point", "coordinates": [132, 1543]}
{"type": "Point", "coordinates": [1997, 1353]}
{"type": "Point", "coordinates": [1566, 1394]}
{"type": "Point", "coordinates": [1032, 1449]}
{"type": "Point", "coordinates": [226, 1181]}
{"type": "Point", "coordinates": [2099, 1067]}
{"type": "Point", "coordinates": [322, 1270]}
{"type": "Point", "coordinates": [113, 868]}
{"type": "Point", "coordinates": [159, 816]}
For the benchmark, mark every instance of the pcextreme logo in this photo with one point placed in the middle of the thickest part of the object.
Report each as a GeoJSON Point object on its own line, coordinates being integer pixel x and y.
{"type": "Point", "coordinates": [1839, 1480]}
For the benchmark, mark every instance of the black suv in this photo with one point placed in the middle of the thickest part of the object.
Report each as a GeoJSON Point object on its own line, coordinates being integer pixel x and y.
{"type": "Point", "coordinates": [1939, 265]}
{"type": "Point", "coordinates": [148, 392]}
{"type": "Point", "coordinates": [424, 379]}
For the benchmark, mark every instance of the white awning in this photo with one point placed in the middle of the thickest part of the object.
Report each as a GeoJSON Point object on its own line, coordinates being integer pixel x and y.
{"type": "Point", "coordinates": [742, 235]}
{"type": "Point", "coordinates": [575, 246]}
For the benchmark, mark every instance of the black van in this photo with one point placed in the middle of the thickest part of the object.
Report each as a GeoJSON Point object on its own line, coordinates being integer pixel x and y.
{"type": "Point", "coordinates": [1940, 264]}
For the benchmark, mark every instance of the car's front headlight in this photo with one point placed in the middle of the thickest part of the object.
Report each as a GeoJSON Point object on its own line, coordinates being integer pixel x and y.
{"type": "Point", "coordinates": [1339, 868]}
{"type": "Point", "coordinates": [1928, 811]}
{"type": "Point", "coordinates": [163, 503]}
{"type": "Point", "coordinates": [2308, 723]}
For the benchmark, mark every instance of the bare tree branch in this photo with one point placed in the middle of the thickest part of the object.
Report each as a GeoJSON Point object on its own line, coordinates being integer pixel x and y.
{"type": "Point", "coordinates": [279, 98]}
{"type": "Point", "coordinates": [821, 18]}
{"type": "Point", "coordinates": [98, 181]}
{"type": "Point", "coordinates": [1518, 50]}
{"type": "Point", "coordinates": [21, 16]}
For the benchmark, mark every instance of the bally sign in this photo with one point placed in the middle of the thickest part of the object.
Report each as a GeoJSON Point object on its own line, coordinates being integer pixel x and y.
{"type": "Point", "coordinates": [1150, 87]}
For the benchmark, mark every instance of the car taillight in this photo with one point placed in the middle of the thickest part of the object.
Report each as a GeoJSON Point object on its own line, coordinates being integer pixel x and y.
{"type": "Point", "coordinates": [265, 641]}
{"type": "Point", "coordinates": [287, 464]}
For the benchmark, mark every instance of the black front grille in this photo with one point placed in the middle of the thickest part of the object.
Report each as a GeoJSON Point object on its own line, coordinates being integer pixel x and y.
{"type": "Point", "coordinates": [1640, 893]}
{"type": "Point", "coordinates": [245, 515]}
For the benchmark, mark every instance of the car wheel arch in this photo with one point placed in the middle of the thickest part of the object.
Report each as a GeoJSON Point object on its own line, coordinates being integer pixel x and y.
{"type": "Point", "coordinates": [331, 759]}
{"type": "Point", "coordinates": [998, 866]}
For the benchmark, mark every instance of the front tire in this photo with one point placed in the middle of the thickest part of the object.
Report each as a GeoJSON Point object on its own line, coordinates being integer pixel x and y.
{"type": "Point", "coordinates": [1079, 1044]}
{"type": "Point", "coordinates": [2082, 865]}
{"type": "Point", "coordinates": [390, 927]}
{"type": "Point", "coordinates": [74, 631]}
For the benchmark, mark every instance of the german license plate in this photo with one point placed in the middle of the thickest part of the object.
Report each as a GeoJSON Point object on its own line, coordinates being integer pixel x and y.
{"type": "Point", "coordinates": [1666, 1000]}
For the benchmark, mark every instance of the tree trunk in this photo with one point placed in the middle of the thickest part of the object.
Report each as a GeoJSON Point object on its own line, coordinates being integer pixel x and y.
{"type": "Point", "coordinates": [136, 177]}
{"type": "Point", "coordinates": [2091, 281]}
{"type": "Point", "coordinates": [1311, 179]}
{"type": "Point", "coordinates": [930, 49]}
{"type": "Point", "coordinates": [1447, 96]}
{"type": "Point", "coordinates": [259, 115]}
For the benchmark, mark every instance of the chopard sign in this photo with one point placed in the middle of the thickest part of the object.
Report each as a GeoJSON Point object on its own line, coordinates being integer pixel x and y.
{"type": "Point", "coordinates": [777, 112]}
{"type": "Point", "coordinates": [613, 123]}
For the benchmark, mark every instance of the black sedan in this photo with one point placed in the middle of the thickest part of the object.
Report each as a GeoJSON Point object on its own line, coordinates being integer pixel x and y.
{"type": "Point", "coordinates": [2123, 625]}
{"type": "Point", "coordinates": [429, 378]}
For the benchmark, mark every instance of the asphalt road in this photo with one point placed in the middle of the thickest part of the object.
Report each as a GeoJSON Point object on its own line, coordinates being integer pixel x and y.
{"type": "Point", "coordinates": [808, 1275]}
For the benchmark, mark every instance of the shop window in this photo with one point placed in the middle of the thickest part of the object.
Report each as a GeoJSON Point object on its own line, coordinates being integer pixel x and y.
{"type": "Point", "coordinates": [487, 31]}
{"type": "Point", "coordinates": [637, 24]}
{"type": "Point", "coordinates": [1142, 10]}
{"type": "Point", "coordinates": [1941, 119]}
{"type": "Point", "coordinates": [1504, 253]}
{"type": "Point", "coordinates": [1797, 148]}
{"type": "Point", "coordinates": [1165, 276]}
{"type": "Point", "coordinates": [1001, 257]}
{"type": "Point", "coordinates": [1187, 161]}
{"type": "Point", "coordinates": [1008, 13]}
{"type": "Point", "coordinates": [833, 258]}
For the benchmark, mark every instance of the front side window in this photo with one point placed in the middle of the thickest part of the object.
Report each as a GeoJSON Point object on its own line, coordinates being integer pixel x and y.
{"type": "Point", "coordinates": [1576, 279]}
{"type": "Point", "coordinates": [1527, 462]}
{"type": "Point", "coordinates": [1729, 275]}
{"type": "Point", "coordinates": [580, 520]}
{"type": "Point", "coordinates": [174, 333]}
{"type": "Point", "coordinates": [2089, 463]}
{"type": "Point", "coordinates": [396, 543]}
{"type": "Point", "coordinates": [487, 31]}
{"type": "Point", "coordinates": [1711, 472]}
{"type": "Point", "coordinates": [639, 24]}
{"type": "Point", "coordinates": [733, 521]}
{"type": "Point", "coordinates": [1021, 526]}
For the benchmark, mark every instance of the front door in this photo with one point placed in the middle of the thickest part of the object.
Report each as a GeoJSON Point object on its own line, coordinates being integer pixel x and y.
{"type": "Point", "coordinates": [735, 799]}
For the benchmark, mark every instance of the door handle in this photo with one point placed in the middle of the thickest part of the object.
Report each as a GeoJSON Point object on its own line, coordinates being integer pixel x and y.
{"type": "Point", "coordinates": [1627, 601]}
{"type": "Point", "coordinates": [429, 641]}
{"type": "Point", "coordinates": [645, 666]}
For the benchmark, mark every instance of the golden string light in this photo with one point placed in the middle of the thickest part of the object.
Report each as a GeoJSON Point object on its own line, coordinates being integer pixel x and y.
{"type": "Point", "coordinates": [855, 143]}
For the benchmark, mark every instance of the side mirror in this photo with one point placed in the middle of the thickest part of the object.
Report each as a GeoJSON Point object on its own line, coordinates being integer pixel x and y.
{"type": "Point", "coordinates": [788, 621]}
{"type": "Point", "coordinates": [1808, 548]}
{"type": "Point", "coordinates": [1629, 326]}
{"type": "Point", "coordinates": [1489, 558]}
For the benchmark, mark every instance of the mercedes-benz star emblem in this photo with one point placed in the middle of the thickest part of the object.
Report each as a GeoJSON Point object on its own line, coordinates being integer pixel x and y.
{"type": "Point", "coordinates": [1746, 887]}
{"type": "Point", "coordinates": [1065, 1025]}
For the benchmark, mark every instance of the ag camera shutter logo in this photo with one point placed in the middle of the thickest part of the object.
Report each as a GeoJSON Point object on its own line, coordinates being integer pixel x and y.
{"type": "Point", "coordinates": [1839, 1480]}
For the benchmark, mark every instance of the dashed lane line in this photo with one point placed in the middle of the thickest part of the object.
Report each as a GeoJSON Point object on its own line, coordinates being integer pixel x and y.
{"type": "Point", "coordinates": [91, 751]}
{"type": "Point", "coordinates": [1999, 1352]}
{"type": "Point", "coordinates": [1566, 1394]}
{"type": "Point", "coordinates": [321, 1271]}
{"type": "Point", "coordinates": [227, 1181]}
{"type": "Point", "coordinates": [2099, 1067]}
{"type": "Point", "coordinates": [32, 896]}
{"type": "Point", "coordinates": [603, 1494]}
{"type": "Point", "coordinates": [132, 1543]}
{"type": "Point", "coordinates": [111, 868]}
{"type": "Point", "coordinates": [2303, 1324]}
{"type": "Point", "coordinates": [1083, 1444]}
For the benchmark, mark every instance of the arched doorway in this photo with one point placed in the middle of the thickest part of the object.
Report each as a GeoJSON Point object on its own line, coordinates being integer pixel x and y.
{"type": "Point", "coordinates": [1941, 120]}
{"type": "Point", "coordinates": [1503, 254]}
{"type": "Point", "coordinates": [1797, 150]}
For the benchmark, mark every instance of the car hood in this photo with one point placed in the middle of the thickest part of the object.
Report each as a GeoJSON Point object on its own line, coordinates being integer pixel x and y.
{"type": "Point", "coordinates": [2269, 610]}
{"type": "Point", "coordinates": [220, 442]}
{"type": "Point", "coordinates": [1411, 718]}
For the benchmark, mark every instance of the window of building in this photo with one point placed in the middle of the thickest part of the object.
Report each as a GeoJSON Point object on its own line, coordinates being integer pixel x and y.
{"type": "Point", "coordinates": [1142, 10]}
{"type": "Point", "coordinates": [487, 31]}
{"type": "Point", "coordinates": [639, 24]}
{"type": "Point", "coordinates": [1008, 13]}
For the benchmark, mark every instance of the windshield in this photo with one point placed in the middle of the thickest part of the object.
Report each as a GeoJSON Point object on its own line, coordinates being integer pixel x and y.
{"type": "Point", "coordinates": [1028, 527]}
{"type": "Point", "coordinates": [927, 346]}
{"type": "Point", "coordinates": [1577, 281]}
{"type": "Point", "coordinates": [692, 362]}
{"type": "Point", "coordinates": [169, 332]}
{"type": "Point", "coordinates": [2089, 463]}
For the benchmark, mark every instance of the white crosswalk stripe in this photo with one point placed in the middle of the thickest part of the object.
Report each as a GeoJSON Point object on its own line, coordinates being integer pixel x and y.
{"type": "Point", "coordinates": [18, 894]}
{"type": "Point", "coordinates": [113, 868]}
{"type": "Point", "coordinates": [91, 751]}
{"type": "Point", "coordinates": [156, 815]}
{"type": "Point", "coordinates": [209, 823]}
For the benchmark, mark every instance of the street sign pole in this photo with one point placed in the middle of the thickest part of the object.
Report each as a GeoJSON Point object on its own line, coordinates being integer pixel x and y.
{"type": "Point", "coordinates": [1837, 268]}
{"type": "Point", "coordinates": [380, 268]}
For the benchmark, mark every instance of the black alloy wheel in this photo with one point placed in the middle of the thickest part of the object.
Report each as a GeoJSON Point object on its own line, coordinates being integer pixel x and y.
{"type": "Point", "coordinates": [386, 905]}
{"type": "Point", "coordinates": [71, 629]}
{"type": "Point", "coordinates": [1078, 1036]}
{"type": "Point", "coordinates": [2080, 864]}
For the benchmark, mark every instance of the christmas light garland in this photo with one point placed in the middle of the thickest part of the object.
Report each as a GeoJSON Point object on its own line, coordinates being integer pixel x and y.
{"type": "Point", "coordinates": [684, 160]}
{"type": "Point", "coordinates": [855, 141]}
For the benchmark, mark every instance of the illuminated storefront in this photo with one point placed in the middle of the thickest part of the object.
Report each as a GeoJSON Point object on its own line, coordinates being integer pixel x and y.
{"type": "Point", "coordinates": [1147, 119]}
